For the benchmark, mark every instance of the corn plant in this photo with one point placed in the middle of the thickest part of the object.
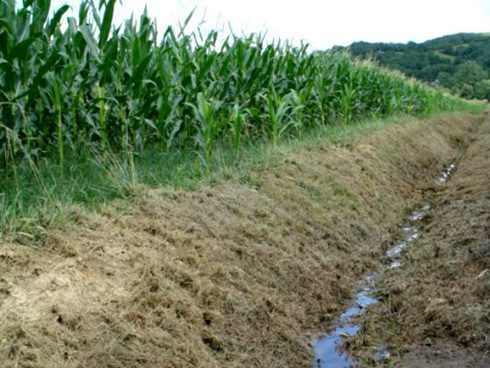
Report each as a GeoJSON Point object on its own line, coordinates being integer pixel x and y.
{"type": "Point", "coordinates": [207, 128]}
{"type": "Point", "coordinates": [91, 86]}
{"type": "Point", "coordinates": [237, 126]}
{"type": "Point", "coordinates": [279, 113]}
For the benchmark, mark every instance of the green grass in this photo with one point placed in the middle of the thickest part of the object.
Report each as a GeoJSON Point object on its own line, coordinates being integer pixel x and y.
{"type": "Point", "coordinates": [40, 198]}
{"type": "Point", "coordinates": [89, 112]}
{"type": "Point", "coordinates": [441, 54]}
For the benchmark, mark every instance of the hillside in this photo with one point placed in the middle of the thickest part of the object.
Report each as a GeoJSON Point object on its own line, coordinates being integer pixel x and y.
{"type": "Point", "coordinates": [460, 62]}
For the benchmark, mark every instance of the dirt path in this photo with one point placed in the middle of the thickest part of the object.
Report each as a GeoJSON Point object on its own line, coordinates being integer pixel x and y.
{"type": "Point", "coordinates": [242, 274]}
{"type": "Point", "coordinates": [436, 307]}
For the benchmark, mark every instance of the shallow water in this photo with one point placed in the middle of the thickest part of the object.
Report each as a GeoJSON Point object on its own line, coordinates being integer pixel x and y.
{"type": "Point", "coordinates": [446, 174]}
{"type": "Point", "coordinates": [327, 350]}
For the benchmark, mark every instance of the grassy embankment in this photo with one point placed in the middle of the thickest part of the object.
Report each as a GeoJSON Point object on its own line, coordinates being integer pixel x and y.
{"type": "Point", "coordinates": [237, 274]}
{"type": "Point", "coordinates": [435, 307]}
{"type": "Point", "coordinates": [92, 112]}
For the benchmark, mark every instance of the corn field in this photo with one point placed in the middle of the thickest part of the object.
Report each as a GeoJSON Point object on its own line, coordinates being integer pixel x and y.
{"type": "Point", "coordinates": [68, 84]}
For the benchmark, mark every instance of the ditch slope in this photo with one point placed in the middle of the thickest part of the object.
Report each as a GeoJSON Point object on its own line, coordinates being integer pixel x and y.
{"type": "Point", "coordinates": [242, 274]}
{"type": "Point", "coordinates": [435, 309]}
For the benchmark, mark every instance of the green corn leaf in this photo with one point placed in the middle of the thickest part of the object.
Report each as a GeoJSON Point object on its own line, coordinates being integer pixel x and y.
{"type": "Point", "coordinates": [106, 22]}
{"type": "Point", "coordinates": [90, 40]}
{"type": "Point", "coordinates": [55, 21]}
{"type": "Point", "coordinates": [20, 51]}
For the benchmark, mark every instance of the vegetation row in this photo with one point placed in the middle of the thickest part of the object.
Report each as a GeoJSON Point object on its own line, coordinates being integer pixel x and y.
{"type": "Point", "coordinates": [70, 84]}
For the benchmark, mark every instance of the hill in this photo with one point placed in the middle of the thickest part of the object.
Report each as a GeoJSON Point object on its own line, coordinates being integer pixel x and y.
{"type": "Point", "coordinates": [459, 62]}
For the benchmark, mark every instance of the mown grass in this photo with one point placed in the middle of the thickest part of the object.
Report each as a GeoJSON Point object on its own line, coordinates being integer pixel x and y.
{"type": "Point", "coordinates": [90, 112]}
{"type": "Point", "coordinates": [40, 197]}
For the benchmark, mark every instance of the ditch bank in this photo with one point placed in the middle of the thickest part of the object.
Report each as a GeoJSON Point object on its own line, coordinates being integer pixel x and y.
{"type": "Point", "coordinates": [245, 273]}
{"type": "Point", "coordinates": [434, 310]}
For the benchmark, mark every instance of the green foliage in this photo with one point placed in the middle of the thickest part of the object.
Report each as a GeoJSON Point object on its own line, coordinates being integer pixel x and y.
{"type": "Point", "coordinates": [482, 90]}
{"type": "Point", "coordinates": [95, 88]}
{"type": "Point", "coordinates": [237, 126]}
{"type": "Point", "coordinates": [280, 118]}
{"type": "Point", "coordinates": [468, 76]}
{"type": "Point", "coordinates": [208, 127]}
{"type": "Point", "coordinates": [458, 62]}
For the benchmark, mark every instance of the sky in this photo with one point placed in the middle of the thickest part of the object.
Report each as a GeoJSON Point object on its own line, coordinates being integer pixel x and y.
{"type": "Point", "coordinates": [320, 23]}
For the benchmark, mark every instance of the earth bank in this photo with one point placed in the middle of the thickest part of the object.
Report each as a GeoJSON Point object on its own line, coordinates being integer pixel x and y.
{"type": "Point", "coordinates": [241, 274]}
{"type": "Point", "coordinates": [435, 309]}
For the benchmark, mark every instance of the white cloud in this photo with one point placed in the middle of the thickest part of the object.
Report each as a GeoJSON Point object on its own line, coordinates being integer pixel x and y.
{"type": "Point", "coordinates": [324, 23]}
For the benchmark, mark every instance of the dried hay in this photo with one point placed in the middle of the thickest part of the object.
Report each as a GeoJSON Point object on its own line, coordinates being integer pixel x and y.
{"type": "Point", "coordinates": [236, 275]}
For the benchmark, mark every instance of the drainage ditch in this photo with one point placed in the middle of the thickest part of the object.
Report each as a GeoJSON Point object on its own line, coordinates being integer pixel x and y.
{"type": "Point", "coordinates": [328, 351]}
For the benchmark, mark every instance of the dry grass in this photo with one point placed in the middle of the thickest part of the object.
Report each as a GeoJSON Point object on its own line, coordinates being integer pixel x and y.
{"type": "Point", "coordinates": [441, 295]}
{"type": "Point", "coordinates": [235, 275]}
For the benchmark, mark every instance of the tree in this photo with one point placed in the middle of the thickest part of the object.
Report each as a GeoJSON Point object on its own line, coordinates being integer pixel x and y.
{"type": "Point", "coordinates": [470, 72]}
{"type": "Point", "coordinates": [446, 79]}
{"type": "Point", "coordinates": [482, 90]}
{"type": "Point", "coordinates": [459, 62]}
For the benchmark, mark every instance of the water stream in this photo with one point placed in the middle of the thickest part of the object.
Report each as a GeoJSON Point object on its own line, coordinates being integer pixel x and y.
{"type": "Point", "coordinates": [327, 350]}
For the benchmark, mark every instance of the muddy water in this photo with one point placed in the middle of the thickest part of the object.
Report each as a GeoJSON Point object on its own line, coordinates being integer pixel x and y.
{"type": "Point", "coordinates": [327, 350]}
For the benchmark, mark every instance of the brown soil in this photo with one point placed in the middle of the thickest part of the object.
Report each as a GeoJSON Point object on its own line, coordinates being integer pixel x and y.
{"type": "Point", "coordinates": [437, 305]}
{"type": "Point", "coordinates": [241, 274]}
{"type": "Point", "coordinates": [445, 354]}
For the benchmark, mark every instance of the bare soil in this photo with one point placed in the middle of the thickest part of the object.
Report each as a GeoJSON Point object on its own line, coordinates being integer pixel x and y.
{"type": "Point", "coordinates": [241, 274]}
{"type": "Point", "coordinates": [445, 354]}
{"type": "Point", "coordinates": [436, 307]}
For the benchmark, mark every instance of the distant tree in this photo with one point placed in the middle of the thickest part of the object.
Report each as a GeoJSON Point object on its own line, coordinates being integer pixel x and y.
{"type": "Point", "coordinates": [482, 90]}
{"type": "Point", "coordinates": [459, 62]}
{"type": "Point", "coordinates": [470, 72]}
{"type": "Point", "coordinates": [445, 79]}
{"type": "Point", "coordinates": [467, 76]}
{"type": "Point", "coordinates": [465, 90]}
